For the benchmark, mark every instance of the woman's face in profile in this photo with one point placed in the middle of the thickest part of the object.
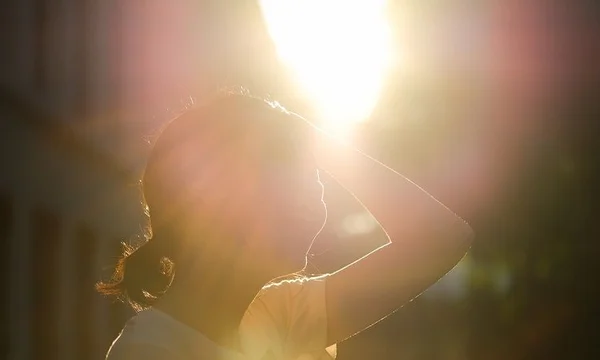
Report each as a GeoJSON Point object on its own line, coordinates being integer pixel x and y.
{"type": "Point", "coordinates": [291, 200]}
{"type": "Point", "coordinates": [287, 196]}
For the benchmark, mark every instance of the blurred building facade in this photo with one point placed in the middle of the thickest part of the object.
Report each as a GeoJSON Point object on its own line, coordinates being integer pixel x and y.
{"type": "Point", "coordinates": [65, 206]}
{"type": "Point", "coordinates": [63, 212]}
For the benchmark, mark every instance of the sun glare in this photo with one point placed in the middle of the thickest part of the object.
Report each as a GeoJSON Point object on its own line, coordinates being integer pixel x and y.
{"type": "Point", "coordinates": [338, 52]}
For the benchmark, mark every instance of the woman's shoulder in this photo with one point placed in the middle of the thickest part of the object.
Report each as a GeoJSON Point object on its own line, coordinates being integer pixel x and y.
{"type": "Point", "coordinates": [150, 335]}
{"type": "Point", "coordinates": [139, 337]}
{"type": "Point", "coordinates": [293, 285]}
{"type": "Point", "coordinates": [139, 351]}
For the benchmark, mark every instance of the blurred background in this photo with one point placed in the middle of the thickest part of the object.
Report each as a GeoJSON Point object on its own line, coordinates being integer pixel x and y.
{"type": "Point", "coordinates": [489, 105]}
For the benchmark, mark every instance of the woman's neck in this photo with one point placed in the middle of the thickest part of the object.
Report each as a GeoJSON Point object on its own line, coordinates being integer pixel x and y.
{"type": "Point", "coordinates": [213, 302]}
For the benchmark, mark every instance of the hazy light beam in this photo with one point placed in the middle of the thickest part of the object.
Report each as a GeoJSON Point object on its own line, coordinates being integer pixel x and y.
{"type": "Point", "coordinates": [338, 51]}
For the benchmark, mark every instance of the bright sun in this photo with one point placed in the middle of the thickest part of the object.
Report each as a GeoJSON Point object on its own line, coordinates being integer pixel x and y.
{"type": "Point", "coordinates": [338, 50]}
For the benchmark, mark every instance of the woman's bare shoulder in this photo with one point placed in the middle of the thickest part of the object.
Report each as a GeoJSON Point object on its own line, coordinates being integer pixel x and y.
{"type": "Point", "coordinates": [148, 335]}
{"type": "Point", "coordinates": [292, 285]}
{"type": "Point", "coordinates": [128, 350]}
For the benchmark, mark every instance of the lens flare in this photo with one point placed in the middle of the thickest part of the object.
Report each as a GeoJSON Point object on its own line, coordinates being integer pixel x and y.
{"type": "Point", "coordinates": [338, 51]}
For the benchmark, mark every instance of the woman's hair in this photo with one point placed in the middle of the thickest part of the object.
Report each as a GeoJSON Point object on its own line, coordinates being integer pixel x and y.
{"type": "Point", "coordinates": [144, 272]}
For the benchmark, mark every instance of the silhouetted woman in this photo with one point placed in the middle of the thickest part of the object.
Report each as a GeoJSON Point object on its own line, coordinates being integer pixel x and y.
{"type": "Point", "coordinates": [235, 203]}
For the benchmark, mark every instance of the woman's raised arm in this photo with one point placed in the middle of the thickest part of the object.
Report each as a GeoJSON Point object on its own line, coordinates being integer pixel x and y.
{"type": "Point", "coordinates": [427, 240]}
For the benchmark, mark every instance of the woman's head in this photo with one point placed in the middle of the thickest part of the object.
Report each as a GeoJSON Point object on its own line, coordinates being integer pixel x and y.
{"type": "Point", "coordinates": [232, 181]}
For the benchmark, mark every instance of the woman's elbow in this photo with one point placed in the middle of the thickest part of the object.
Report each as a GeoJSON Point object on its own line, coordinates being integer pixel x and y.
{"type": "Point", "coordinates": [467, 233]}
{"type": "Point", "coordinates": [462, 239]}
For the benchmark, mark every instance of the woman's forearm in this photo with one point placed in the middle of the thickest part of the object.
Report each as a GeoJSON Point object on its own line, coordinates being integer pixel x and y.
{"type": "Point", "coordinates": [403, 209]}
